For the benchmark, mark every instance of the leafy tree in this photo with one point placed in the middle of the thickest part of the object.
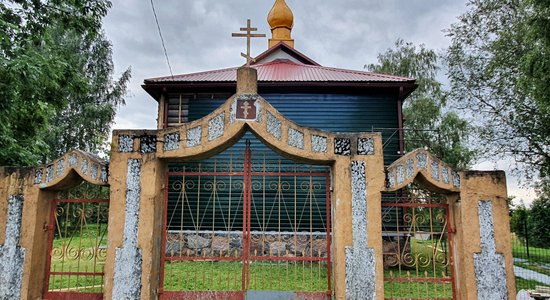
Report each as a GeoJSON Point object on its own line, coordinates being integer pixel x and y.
{"type": "Point", "coordinates": [56, 80]}
{"type": "Point", "coordinates": [499, 63]}
{"type": "Point", "coordinates": [539, 218]}
{"type": "Point", "coordinates": [519, 221]}
{"type": "Point", "coordinates": [426, 121]}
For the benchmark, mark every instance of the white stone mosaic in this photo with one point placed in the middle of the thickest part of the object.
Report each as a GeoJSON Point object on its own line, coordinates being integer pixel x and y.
{"type": "Point", "coordinates": [194, 136]}
{"type": "Point", "coordinates": [171, 141]}
{"type": "Point", "coordinates": [365, 146]}
{"type": "Point", "coordinates": [125, 143]}
{"type": "Point", "coordinates": [128, 258]}
{"type": "Point", "coordinates": [489, 265]}
{"type": "Point", "coordinates": [273, 126]}
{"type": "Point", "coordinates": [216, 127]}
{"type": "Point", "coordinates": [93, 171]}
{"type": "Point", "coordinates": [435, 170]}
{"type": "Point", "coordinates": [318, 144]}
{"type": "Point", "coordinates": [445, 175]}
{"type": "Point", "coordinates": [295, 138]}
{"type": "Point", "coordinates": [12, 256]}
{"type": "Point", "coordinates": [60, 167]}
{"type": "Point", "coordinates": [73, 160]}
{"type": "Point", "coordinates": [360, 261]}
{"type": "Point", "coordinates": [390, 179]}
{"type": "Point", "coordinates": [421, 160]}
{"type": "Point", "coordinates": [84, 166]}
{"type": "Point", "coordinates": [410, 168]}
{"type": "Point", "coordinates": [49, 173]}
{"type": "Point", "coordinates": [400, 174]}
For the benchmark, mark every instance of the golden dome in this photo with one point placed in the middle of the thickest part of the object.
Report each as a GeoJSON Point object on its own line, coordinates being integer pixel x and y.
{"type": "Point", "coordinates": [280, 15]}
{"type": "Point", "coordinates": [281, 20]}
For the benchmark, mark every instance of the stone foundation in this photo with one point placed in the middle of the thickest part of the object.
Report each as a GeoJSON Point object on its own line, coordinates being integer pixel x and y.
{"type": "Point", "coordinates": [229, 244]}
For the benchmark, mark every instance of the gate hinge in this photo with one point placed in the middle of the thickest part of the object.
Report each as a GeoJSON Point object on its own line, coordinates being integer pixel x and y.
{"type": "Point", "coordinates": [47, 227]}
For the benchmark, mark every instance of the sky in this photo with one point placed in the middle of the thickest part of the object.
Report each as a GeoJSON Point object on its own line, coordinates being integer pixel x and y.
{"type": "Point", "coordinates": [197, 34]}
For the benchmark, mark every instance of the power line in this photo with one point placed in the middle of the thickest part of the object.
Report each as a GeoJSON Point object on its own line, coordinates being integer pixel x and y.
{"type": "Point", "coordinates": [161, 39]}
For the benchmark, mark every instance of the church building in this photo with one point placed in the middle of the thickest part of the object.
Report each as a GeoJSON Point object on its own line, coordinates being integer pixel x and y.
{"type": "Point", "coordinates": [277, 179]}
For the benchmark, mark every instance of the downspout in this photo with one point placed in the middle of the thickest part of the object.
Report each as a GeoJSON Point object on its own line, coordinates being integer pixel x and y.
{"type": "Point", "coordinates": [400, 121]}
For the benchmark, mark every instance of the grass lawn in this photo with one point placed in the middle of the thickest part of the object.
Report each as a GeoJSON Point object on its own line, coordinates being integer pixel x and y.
{"type": "Point", "coordinates": [82, 251]}
{"type": "Point", "coordinates": [424, 266]}
{"type": "Point", "coordinates": [227, 276]}
{"type": "Point", "coordinates": [538, 261]}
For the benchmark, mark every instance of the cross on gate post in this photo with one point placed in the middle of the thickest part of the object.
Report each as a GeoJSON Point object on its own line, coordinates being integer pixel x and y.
{"type": "Point", "coordinates": [248, 29]}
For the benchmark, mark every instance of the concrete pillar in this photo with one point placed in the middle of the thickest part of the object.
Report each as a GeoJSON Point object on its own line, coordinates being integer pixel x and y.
{"type": "Point", "coordinates": [341, 223]}
{"type": "Point", "coordinates": [483, 253]}
{"type": "Point", "coordinates": [24, 213]}
{"type": "Point", "coordinates": [151, 224]}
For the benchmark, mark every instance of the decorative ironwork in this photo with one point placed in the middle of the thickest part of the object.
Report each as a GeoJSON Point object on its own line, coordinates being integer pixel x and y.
{"type": "Point", "coordinates": [77, 243]}
{"type": "Point", "coordinates": [246, 225]}
{"type": "Point", "coordinates": [417, 252]}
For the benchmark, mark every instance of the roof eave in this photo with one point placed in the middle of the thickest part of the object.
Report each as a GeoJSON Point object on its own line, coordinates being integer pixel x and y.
{"type": "Point", "coordinates": [155, 89]}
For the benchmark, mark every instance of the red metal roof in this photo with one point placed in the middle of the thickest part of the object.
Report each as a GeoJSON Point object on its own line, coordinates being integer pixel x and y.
{"type": "Point", "coordinates": [284, 70]}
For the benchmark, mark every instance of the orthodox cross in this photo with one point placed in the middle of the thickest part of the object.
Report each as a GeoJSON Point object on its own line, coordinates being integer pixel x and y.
{"type": "Point", "coordinates": [245, 107]}
{"type": "Point", "coordinates": [248, 29]}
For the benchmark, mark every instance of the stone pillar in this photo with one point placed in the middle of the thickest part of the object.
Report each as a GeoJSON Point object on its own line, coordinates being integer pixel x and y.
{"type": "Point", "coordinates": [341, 223]}
{"type": "Point", "coordinates": [151, 224]}
{"type": "Point", "coordinates": [357, 239]}
{"type": "Point", "coordinates": [24, 211]}
{"type": "Point", "coordinates": [132, 269]}
{"type": "Point", "coordinates": [483, 253]}
{"type": "Point", "coordinates": [247, 82]}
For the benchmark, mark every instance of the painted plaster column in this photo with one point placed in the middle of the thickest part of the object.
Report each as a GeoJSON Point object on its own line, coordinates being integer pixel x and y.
{"type": "Point", "coordinates": [341, 223]}
{"type": "Point", "coordinates": [124, 258]}
{"type": "Point", "coordinates": [151, 224]}
{"type": "Point", "coordinates": [483, 254]}
{"type": "Point", "coordinates": [24, 211]}
{"type": "Point", "coordinates": [137, 181]}
{"type": "Point", "coordinates": [357, 240]}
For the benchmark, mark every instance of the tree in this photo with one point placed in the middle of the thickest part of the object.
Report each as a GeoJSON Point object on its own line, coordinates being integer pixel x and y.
{"type": "Point", "coordinates": [499, 62]}
{"type": "Point", "coordinates": [56, 80]}
{"type": "Point", "coordinates": [427, 123]}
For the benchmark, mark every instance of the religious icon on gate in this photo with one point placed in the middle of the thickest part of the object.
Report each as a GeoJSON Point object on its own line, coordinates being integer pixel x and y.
{"type": "Point", "coordinates": [246, 109]}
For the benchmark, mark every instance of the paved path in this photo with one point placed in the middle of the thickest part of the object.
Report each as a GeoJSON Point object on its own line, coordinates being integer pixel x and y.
{"type": "Point", "coordinates": [531, 275]}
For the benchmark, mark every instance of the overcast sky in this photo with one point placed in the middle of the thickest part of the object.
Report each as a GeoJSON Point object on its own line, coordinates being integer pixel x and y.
{"type": "Point", "coordinates": [197, 34]}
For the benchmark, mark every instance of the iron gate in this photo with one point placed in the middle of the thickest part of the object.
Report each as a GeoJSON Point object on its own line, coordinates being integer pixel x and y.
{"type": "Point", "coordinates": [77, 244]}
{"type": "Point", "coordinates": [242, 227]}
{"type": "Point", "coordinates": [417, 248]}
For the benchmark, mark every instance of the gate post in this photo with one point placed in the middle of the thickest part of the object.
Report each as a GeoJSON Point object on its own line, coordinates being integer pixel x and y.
{"type": "Point", "coordinates": [137, 189]}
{"type": "Point", "coordinates": [357, 225]}
{"type": "Point", "coordinates": [483, 253]}
{"type": "Point", "coordinates": [341, 223]}
{"type": "Point", "coordinates": [24, 211]}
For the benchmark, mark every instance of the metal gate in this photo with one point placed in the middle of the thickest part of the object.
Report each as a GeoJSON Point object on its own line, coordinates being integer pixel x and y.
{"type": "Point", "coordinates": [417, 252]}
{"type": "Point", "coordinates": [77, 244]}
{"type": "Point", "coordinates": [238, 227]}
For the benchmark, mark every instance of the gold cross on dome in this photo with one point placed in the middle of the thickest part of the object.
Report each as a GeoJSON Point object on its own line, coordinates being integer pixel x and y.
{"type": "Point", "coordinates": [248, 29]}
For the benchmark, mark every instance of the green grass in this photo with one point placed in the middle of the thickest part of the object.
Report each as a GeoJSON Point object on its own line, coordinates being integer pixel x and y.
{"type": "Point", "coordinates": [536, 254]}
{"type": "Point", "coordinates": [538, 257]}
{"type": "Point", "coordinates": [524, 284]}
{"type": "Point", "coordinates": [423, 267]}
{"type": "Point", "coordinates": [81, 250]}
{"type": "Point", "coordinates": [227, 276]}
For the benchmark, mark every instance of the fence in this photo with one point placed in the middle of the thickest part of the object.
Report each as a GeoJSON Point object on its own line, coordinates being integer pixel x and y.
{"type": "Point", "coordinates": [531, 262]}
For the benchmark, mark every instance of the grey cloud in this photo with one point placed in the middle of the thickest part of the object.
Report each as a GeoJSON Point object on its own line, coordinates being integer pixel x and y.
{"type": "Point", "coordinates": [197, 34]}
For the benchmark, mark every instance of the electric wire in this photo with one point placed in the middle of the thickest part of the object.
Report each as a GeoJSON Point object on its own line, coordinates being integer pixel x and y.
{"type": "Point", "coordinates": [162, 39]}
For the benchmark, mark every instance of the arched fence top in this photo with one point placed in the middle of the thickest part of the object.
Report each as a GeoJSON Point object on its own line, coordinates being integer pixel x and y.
{"type": "Point", "coordinates": [70, 169]}
{"type": "Point", "coordinates": [220, 129]}
{"type": "Point", "coordinates": [424, 167]}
